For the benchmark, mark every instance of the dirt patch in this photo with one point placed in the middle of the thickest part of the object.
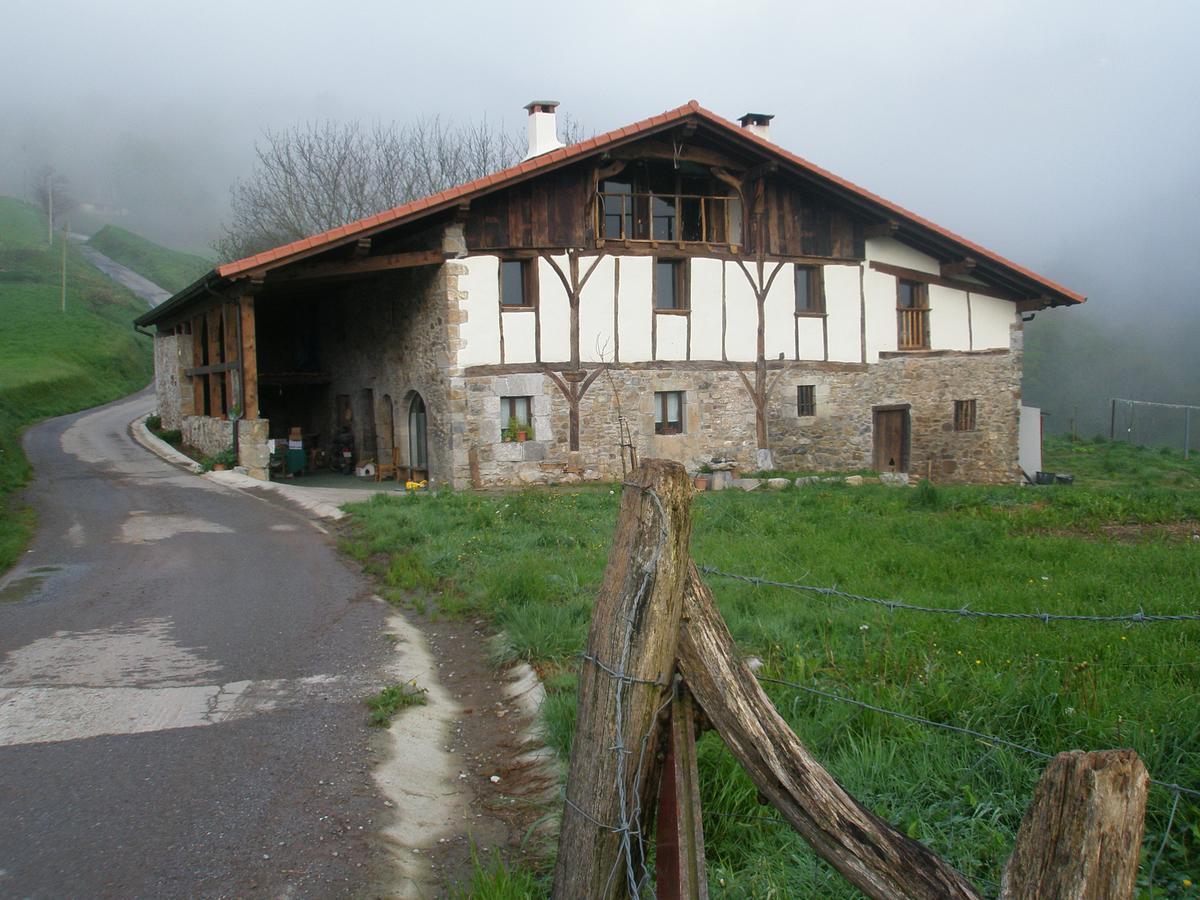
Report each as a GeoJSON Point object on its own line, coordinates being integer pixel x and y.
{"type": "Point", "coordinates": [1187, 531]}
{"type": "Point", "coordinates": [499, 791]}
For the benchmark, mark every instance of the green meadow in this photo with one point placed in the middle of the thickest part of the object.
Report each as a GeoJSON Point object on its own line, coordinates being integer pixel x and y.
{"type": "Point", "coordinates": [54, 362]}
{"type": "Point", "coordinates": [171, 270]}
{"type": "Point", "coordinates": [1125, 537]}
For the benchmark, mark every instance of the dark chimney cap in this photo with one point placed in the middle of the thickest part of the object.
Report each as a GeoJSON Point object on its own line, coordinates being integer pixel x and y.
{"type": "Point", "coordinates": [541, 106]}
{"type": "Point", "coordinates": [749, 119]}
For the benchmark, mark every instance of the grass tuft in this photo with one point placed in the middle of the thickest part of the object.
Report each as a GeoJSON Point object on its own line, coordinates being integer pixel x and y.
{"type": "Point", "coordinates": [388, 702]}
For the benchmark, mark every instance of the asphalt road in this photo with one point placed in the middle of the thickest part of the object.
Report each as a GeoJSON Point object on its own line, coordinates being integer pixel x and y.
{"type": "Point", "coordinates": [181, 674]}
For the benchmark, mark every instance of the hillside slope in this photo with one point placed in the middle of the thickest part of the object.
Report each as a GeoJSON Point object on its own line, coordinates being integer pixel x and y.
{"type": "Point", "coordinates": [169, 269]}
{"type": "Point", "coordinates": [53, 362]}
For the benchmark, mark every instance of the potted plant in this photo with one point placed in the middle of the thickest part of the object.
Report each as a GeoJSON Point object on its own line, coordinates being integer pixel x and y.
{"type": "Point", "coordinates": [517, 431]}
{"type": "Point", "coordinates": [703, 479]}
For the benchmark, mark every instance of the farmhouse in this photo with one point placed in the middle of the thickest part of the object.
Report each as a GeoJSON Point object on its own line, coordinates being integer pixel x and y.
{"type": "Point", "coordinates": [681, 287]}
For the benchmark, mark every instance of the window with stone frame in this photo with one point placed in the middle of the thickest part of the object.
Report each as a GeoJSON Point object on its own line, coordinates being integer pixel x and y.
{"type": "Point", "coordinates": [964, 415]}
{"type": "Point", "coordinates": [806, 399]}
{"type": "Point", "coordinates": [668, 412]}
{"type": "Point", "coordinates": [518, 283]}
{"type": "Point", "coordinates": [516, 416]}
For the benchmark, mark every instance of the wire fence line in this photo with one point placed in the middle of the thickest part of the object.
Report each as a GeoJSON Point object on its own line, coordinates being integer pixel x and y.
{"type": "Point", "coordinates": [1138, 618]}
{"type": "Point", "coordinates": [931, 723]}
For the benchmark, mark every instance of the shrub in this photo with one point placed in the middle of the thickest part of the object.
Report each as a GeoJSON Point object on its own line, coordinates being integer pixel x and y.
{"type": "Point", "coordinates": [154, 423]}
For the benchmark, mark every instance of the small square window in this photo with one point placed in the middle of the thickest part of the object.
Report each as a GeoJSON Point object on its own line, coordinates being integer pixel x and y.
{"type": "Point", "coordinates": [810, 291]}
{"type": "Point", "coordinates": [806, 399]}
{"type": "Point", "coordinates": [964, 415]}
{"type": "Point", "coordinates": [668, 412]}
{"type": "Point", "coordinates": [515, 417]}
{"type": "Point", "coordinates": [517, 287]}
{"type": "Point", "coordinates": [670, 287]}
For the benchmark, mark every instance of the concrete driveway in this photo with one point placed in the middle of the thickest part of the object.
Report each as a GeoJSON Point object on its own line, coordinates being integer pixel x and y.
{"type": "Point", "coordinates": [181, 674]}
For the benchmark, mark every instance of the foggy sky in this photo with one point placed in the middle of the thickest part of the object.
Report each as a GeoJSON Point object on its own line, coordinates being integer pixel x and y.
{"type": "Point", "coordinates": [1063, 135]}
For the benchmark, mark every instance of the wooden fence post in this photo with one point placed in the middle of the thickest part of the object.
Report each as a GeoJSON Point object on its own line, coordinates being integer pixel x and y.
{"type": "Point", "coordinates": [873, 856]}
{"type": "Point", "coordinates": [1082, 835]}
{"type": "Point", "coordinates": [625, 681]}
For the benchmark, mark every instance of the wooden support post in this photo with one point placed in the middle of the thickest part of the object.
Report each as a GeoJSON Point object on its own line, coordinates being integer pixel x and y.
{"type": "Point", "coordinates": [1112, 421]}
{"type": "Point", "coordinates": [229, 316]}
{"type": "Point", "coordinates": [1082, 835]}
{"type": "Point", "coordinates": [198, 359]}
{"type": "Point", "coordinates": [214, 356]}
{"type": "Point", "coordinates": [679, 841]}
{"type": "Point", "coordinates": [625, 680]}
{"type": "Point", "coordinates": [249, 357]}
{"type": "Point", "coordinates": [873, 856]}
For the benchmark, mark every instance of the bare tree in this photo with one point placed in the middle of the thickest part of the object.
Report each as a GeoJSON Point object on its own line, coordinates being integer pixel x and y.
{"type": "Point", "coordinates": [48, 189]}
{"type": "Point", "coordinates": [322, 175]}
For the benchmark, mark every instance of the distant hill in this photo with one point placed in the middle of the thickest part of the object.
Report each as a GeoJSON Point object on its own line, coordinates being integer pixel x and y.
{"type": "Point", "coordinates": [169, 269]}
{"type": "Point", "coordinates": [53, 362]}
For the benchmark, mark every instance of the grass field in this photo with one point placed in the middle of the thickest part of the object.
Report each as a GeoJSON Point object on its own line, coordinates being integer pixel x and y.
{"type": "Point", "coordinates": [53, 362]}
{"type": "Point", "coordinates": [169, 269]}
{"type": "Point", "coordinates": [1121, 539]}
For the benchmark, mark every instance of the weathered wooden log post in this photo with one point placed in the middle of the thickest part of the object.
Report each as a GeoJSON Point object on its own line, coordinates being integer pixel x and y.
{"type": "Point", "coordinates": [625, 681]}
{"type": "Point", "coordinates": [873, 856]}
{"type": "Point", "coordinates": [1082, 835]}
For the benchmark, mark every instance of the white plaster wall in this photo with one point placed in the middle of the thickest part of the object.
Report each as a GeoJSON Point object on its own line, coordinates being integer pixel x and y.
{"type": "Point", "coordinates": [880, 292]}
{"type": "Point", "coordinates": [1029, 440]}
{"type": "Point", "coordinates": [990, 321]}
{"type": "Point", "coordinates": [480, 333]}
{"type": "Point", "coordinates": [949, 328]}
{"type": "Point", "coordinates": [812, 340]}
{"type": "Point", "coordinates": [671, 337]}
{"type": "Point", "coordinates": [890, 250]}
{"type": "Point", "coordinates": [844, 309]}
{"type": "Point", "coordinates": [555, 311]}
{"type": "Point", "coordinates": [635, 303]}
{"type": "Point", "coordinates": [706, 308]}
{"type": "Point", "coordinates": [779, 314]}
{"type": "Point", "coordinates": [741, 311]}
{"type": "Point", "coordinates": [519, 337]}
{"type": "Point", "coordinates": [595, 312]}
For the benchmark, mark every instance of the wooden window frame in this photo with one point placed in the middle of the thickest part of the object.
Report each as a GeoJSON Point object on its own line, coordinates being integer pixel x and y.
{"type": "Point", "coordinates": [806, 400]}
{"type": "Point", "coordinates": [910, 319]}
{"type": "Point", "coordinates": [966, 415]}
{"type": "Point", "coordinates": [529, 284]}
{"type": "Point", "coordinates": [815, 276]}
{"type": "Point", "coordinates": [683, 286]}
{"type": "Point", "coordinates": [526, 423]}
{"type": "Point", "coordinates": [637, 208]}
{"type": "Point", "coordinates": [662, 424]}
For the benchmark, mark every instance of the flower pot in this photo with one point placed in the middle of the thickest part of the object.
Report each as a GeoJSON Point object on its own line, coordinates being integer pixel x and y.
{"type": "Point", "coordinates": [701, 482]}
{"type": "Point", "coordinates": [218, 467]}
{"type": "Point", "coordinates": [522, 436]}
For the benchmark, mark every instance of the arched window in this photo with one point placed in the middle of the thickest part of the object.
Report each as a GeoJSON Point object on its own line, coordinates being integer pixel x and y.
{"type": "Point", "coordinates": [418, 448]}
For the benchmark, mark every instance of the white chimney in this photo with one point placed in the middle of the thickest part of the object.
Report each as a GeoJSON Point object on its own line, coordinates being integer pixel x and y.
{"type": "Point", "coordinates": [543, 128]}
{"type": "Point", "coordinates": [757, 123]}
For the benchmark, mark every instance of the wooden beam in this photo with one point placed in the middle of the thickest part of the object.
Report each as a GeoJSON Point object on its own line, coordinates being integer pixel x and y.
{"type": "Point", "coordinates": [358, 266]}
{"type": "Point", "coordinates": [625, 677]}
{"type": "Point", "coordinates": [953, 268]}
{"type": "Point", "coordinates": [652, 149]}
{"type": "Point", "coordinates": [679, 843]}
{"type": "Point", "coordinates": [213, 321]}
{"type": "Point", "coordinates": [925, 278]}
{"type": "Point", "coordinates": [213, 369]}
{"type": "Point", "coordinates": [229, 316]}
{"type": "Point", "coordinates": [881, 229]}
{"type": "Point", "coordinates": [249, 358]}
{"type": "Point", "coordinates": [871, 854]}
{"type": "Point", "coordinates": [1082, 835]}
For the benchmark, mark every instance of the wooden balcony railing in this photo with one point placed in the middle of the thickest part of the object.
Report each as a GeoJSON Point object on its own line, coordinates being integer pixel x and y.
{"type": "Point", "coordinates": [914, 328]}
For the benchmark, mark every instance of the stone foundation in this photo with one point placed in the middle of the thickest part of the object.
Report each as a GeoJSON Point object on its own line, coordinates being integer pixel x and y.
{"type": "Point", "coordinates": [253, 452]}
{"type": "Point", "coordinates": [169, 361]}
{"type": "Point", "coordinates": [208, 435]}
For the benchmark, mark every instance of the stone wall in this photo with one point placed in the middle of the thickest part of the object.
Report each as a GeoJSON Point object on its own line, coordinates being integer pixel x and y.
{"type": "Point", "coordinates": [719, 419]}
{"type": "Point", "coordinates": [391, 336]}
{"type": "Point", "coordinates": [169, 361]}
{"type": "Point", "coordinates": [209, 436]}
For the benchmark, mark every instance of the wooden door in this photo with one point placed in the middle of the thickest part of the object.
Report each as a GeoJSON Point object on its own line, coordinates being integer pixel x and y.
{"type": "Point", "coordinates": [891, 440]}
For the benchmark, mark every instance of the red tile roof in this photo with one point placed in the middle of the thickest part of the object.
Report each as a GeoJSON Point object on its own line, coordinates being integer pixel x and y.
{"type": "Point", "coordinates": [407, 211]}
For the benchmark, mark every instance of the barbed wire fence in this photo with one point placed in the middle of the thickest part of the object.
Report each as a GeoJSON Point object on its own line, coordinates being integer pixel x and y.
{"type": "Point", "coordinates": [1141, 617]}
